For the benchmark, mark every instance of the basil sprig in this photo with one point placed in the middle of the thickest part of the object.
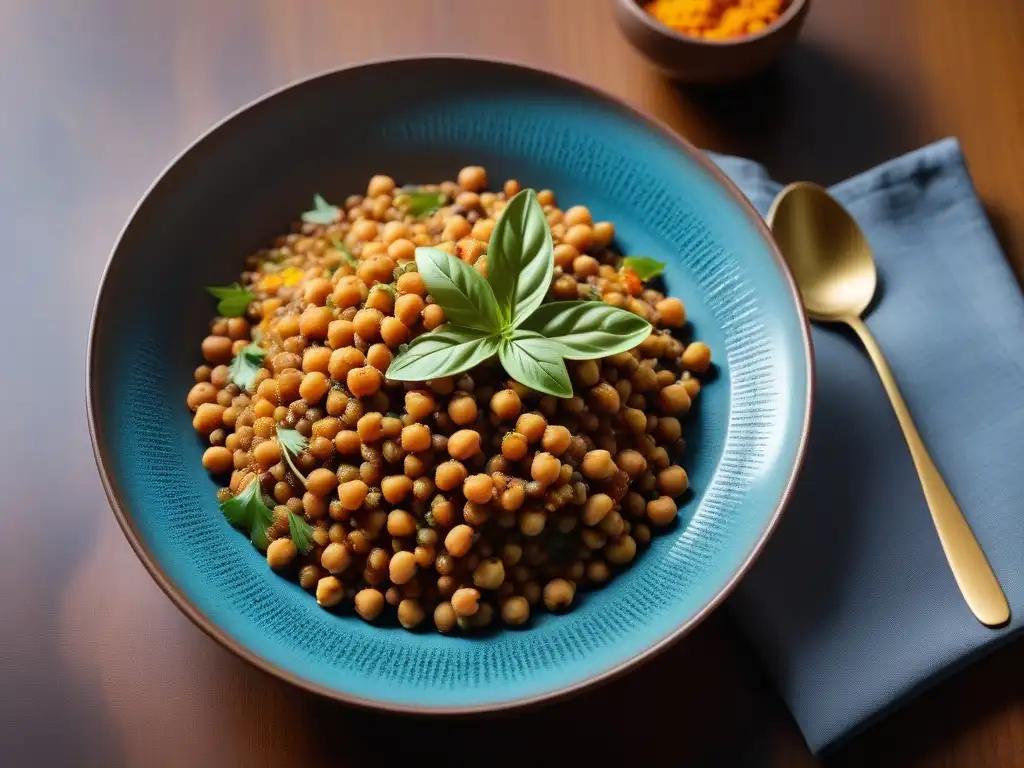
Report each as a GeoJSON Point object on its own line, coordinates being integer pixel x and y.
{"type": "Point", "coordinates": [503, 314]}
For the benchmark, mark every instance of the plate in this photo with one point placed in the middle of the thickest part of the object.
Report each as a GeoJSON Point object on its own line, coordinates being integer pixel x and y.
{"type": "Point", "coordinates": [420, 120]}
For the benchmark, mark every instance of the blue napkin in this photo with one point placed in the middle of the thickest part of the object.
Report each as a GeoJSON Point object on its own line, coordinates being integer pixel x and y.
{"type": "Point", "coordinates": [852, 606]}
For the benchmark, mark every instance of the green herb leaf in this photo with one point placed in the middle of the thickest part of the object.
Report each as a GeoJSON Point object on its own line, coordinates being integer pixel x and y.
{"type": "Point", "coordinates": [463, 292]}
{"type": "Point", "coordinates": [246, 365]}
{"type": "Point", "coordinates": [301, 532]}
{"type": "Point", "coordinates": [532, 360]}
{"type": "Point", "coordinates": [583, 330]}
{"type": "Point", "coordinates": [292, 444]}
{"type": "Point", "coordinates": [645, 267]}
{"type": "Point", "coordinates": [449, 350]}
{"type": "Point", "coordinates": [247, 510]}
{"type": "Point", "coordinates": [234, 299]}
{"type": "Point", "coordinates": [421, 202]}
{"type": "Point", "coordinates": [339, 245]}
{"type": "Point", "coordinates": [520, 258]}
{"type": "Point", "coordinates": [322, 213]}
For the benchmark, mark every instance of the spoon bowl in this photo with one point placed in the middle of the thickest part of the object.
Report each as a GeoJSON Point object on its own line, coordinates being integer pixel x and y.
{"type": "Point", "coordinates": [830, 259]}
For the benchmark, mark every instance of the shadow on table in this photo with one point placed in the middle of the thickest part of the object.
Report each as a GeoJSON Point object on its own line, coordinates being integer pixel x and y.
{"type": "Point", "coordinates": [811, 116]}
{"type": "Point", "coordinates": [693, 705]}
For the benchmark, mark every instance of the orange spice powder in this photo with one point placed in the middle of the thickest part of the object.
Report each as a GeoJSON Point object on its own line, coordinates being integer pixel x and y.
{"type": "Point", "coordinates": [716, 19]}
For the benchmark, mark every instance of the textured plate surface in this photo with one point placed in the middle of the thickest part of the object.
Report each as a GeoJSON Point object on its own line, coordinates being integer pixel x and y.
{"type": "Point", "coordinates": [245, 180]}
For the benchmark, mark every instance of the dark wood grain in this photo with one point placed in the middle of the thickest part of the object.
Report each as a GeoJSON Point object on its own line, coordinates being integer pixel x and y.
{"type": "Point", "coordinates": [98, 667]}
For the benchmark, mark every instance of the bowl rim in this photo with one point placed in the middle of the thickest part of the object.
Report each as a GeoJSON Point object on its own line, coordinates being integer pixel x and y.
{"type": "Point", "coordinates": [794, 8]}
{"type": "Point", "coordinates": [203, 622]}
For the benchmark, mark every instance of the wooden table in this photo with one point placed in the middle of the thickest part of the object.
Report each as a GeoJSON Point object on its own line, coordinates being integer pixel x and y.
{"type": "Point", "coordinates": [99, 668]}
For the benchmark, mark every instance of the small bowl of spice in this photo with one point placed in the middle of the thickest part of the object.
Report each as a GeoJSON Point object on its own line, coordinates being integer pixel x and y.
{"type": "Point", "coordinates": [711, 41]}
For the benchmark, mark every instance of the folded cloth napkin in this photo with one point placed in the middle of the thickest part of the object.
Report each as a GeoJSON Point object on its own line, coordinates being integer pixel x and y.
{"type": "Point", "coordinates": [852, 606]}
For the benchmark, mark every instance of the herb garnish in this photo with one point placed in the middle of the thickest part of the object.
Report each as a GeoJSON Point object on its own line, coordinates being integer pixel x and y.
{"type": "Point", "coordinates": [234, 299]}
{"type": "Point", "coordinates": [292, 444]}
{"type": "Point", "coordinates": [644, 266]}
{"type": "Point", "coordinates": [247, 510]}
{"type": "Point", "coordinates": [503, 314]}
{"type": "Point", "coordinates": [301, 532]}
{"type": "Point", "coordinates": [322, 212]}
{"type": "Point", "coordinates": [246, 365]}
{"type": "Point", "coordinates": [338, 244]}
{"type": "Point", "coordinates": [420, 202]}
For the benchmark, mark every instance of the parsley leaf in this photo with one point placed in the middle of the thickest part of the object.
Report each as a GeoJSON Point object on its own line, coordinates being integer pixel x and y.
{"type": "Point", "coordinates": [247, 510]}
{"type": "Point", "coordinates": [301, 532]}
{"type": "Point", "coordinates": [645, 267]}
{"type": "Point", "coordinates": [234, 299]}
{"type": "Point", "coordinates": [292, 444]}
{"type": "Point", "coordinates": [322, 212]}
{"type": "Point", "coordinates": [338, 244]}
{"type": "Point", "coordinates": [420, 202]}
{"type": "Point", "coordinates": [246, 365]}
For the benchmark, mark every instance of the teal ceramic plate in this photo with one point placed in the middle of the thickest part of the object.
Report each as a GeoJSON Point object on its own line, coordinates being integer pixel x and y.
{"type": "Point", "coordinates": [421, 120]}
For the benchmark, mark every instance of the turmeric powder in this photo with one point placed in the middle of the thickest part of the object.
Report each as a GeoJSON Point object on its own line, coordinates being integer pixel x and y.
{"type": "Point", "coordinates": [716, 19]}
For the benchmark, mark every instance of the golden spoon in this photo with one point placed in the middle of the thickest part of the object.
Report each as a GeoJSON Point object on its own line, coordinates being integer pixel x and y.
{"type": "Point", "coordinates": [835, 272]}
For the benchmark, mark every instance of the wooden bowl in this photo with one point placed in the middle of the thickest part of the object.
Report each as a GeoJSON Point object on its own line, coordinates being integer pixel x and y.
{"type": "Point", "coordinates": [695, 60]}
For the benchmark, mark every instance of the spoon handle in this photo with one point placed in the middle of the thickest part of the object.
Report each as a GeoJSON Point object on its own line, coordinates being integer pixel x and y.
{"type": "Point", "coordinates": [971, 570]}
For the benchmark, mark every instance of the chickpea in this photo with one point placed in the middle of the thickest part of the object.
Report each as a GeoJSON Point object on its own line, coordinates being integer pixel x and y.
{"type": "Point", "coordinates": [280, 553]}
{"type": "Point", "coordinates": [489, 574]}
{"type": "Point", "coordinates": [674, 399]}
{"type": "Point", "coordinates": [662, 511]}
{"type": "Point", "coordinates": [545, 468]}
{"type": "Point", "coordinates": [478, 488]}
{"type": "Point", "coordinates": [449, 475]}
{"type": "Point", "coordinates": [532, 522]}
{"type": "Point", "coordinates": [597, 506]}
{"type": "Point", "coordinates": [531, 426]}
{"type": "Point", "coordinates": [314, 322]}
{"type": "Point", "coordinates": [209, 416]}
{"type": "Point", "coordinates": [696, 357]}
{"type": "Point", "coordinates": [515, 611]}
{"type": "Point", "coordinates": [402, 567]}
{"type": "Point", "coordinates": [598, 465]}
{"type": "Point", "coordinates": [369, 603]}
{"type": "Point", "coordinates": [351, 494]}
{"type": "Point", "coordinates": [621, 551]}
{"type": "Point", "coordinates": [203, 392]}
{"type": "Point", "coordinates": [410, 613]}
{"type": "Point", "coordinates": [444, 617]}
{"type": "Point", "coordinates": [632, 463]}
{"type": "Point", "coordinates": [464, 444]}
{"type": "Point", "coordinates": [513, 446]}
{"type": "Point", "coordinates": [395, 488]}
{"type": "Point", "coordinates": [419, 404]}
{"type": "Point", "coordinates": [466, 601]}
{"type": "Point", "coordinates": [673, 481]}
{"type": "Point", "coordinates": [559, 594]}
{"type": "Point", "coordinates": [606, 397]}
{"type": "Point", "coordinates": [309, 575]}
{"type": "Point", "coordinates": [584, 266]}
{"type": "Point", "coordinates": [506, 404]}
{"type": "Point", "coordinates": [513, 497]}
{"type": "Point", "coordinates": [329, 591]}
{"type": "Point", "coordinates": [416, 437]}
{"type": "Point", "coordinates": [433, 316]}
{"type": "Point", "coordinates": [401, 523]}
{"type": "Point", "coordinates": [473, 178]}
{"type": "Point", "coordinates": [363, 382]}
{"type": "Point", "coordinates": [218, 460]}
{"type": "Point", "coordinates": [217, 349]}
{"type": "Point", "coordinates": [459, 540]}
{"type": "Point", "coordinates": [462, 410]}
{"type": "Point", "coordinates": [336, 558]}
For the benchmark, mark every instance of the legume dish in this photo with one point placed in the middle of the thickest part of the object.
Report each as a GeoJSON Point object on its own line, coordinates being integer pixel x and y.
{"type": "Point", "coordinates": [449, 403]}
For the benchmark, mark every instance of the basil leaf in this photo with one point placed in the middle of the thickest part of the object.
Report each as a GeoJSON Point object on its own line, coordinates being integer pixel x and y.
{"type": "Point", "coordinates": [463, 293]}
{"type": "Point", "coordinates": [322, 213]}
{"type": "Point", "coordinates": [449, 350]}
{"type": "Point", "coordinates": [533, 361]}
{"type": "Point", "coordinates": [645, 267]}
{"type": "Point", "coordinates": [246, 365]}
{"type": "Point", "coordinates": [520, 258]}
{"type": "Point", "coordinates": [292, 444]}
{"type": "Point", "coordinates": [584, 330]}
{"type": "Point", "coordinates": [420, 202]}
{"type": "Point", "coordinates": [234, 299]}
{"type": "Point", "coordinates": [247, 510]}
{"type": "Point", "coordinates": [301, 532]}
